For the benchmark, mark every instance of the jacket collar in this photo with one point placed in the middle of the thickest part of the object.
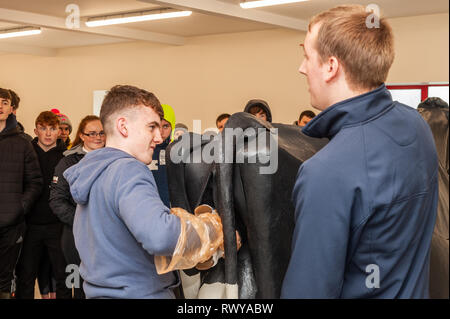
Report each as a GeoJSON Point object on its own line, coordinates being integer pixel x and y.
{"type": "Point", "coordinates": [75, 150]}
{"type": "Point", "coordinates": [11, 126]}
{"type": "Point", "coordinates": [353, 111]}
{"type": "Point", "coordinates": [60, 146]}
{"type": "Point", "coordinates": [164, 144]}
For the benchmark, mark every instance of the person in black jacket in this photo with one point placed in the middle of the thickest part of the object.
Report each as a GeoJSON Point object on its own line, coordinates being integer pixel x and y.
{"type": "Point", "coordinates": [43, 227]}
{"type": "Point", "coordinates": [90, 136]}
{"type": "Point", "coordinates": [20, 186]}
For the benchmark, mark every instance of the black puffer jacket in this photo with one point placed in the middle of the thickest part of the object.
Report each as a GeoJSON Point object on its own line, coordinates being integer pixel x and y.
{"type": "Point", "coordinates": [41, 214]}
{"type": "Point", "coordinates": [61, 201]}
{"type": "Point", "coordinates": [20, 175]}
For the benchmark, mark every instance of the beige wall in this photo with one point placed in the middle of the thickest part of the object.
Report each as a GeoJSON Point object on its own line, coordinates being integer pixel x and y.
{"type": "Point", "coordinates": [209, 75]}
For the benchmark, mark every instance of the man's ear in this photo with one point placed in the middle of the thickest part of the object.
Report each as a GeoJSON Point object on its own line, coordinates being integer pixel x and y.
{"type": "Point", "coordinates": [332, 68]}
{"type": "Point", "coordinates": [36, 131]}
{"type": "Point", "coordinates": [122, 126]}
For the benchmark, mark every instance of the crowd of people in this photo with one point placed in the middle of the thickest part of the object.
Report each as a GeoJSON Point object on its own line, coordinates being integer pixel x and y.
{"type": "Point", "coordinates": [37, 217]}
{"type": "Point", "coordinates": [41, 235]}
{"type": "Point", "coordinates": [101, 201]}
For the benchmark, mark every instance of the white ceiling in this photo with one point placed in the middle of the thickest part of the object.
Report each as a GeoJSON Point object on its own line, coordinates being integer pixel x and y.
{"type": "Point", "coordinates": [209, 17]}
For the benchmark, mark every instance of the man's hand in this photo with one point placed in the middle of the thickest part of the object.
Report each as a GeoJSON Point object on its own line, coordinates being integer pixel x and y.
{"type": "Point", "coordinates": [211, 262]}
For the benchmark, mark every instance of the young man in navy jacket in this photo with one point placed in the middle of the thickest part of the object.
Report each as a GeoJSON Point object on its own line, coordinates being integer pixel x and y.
{"type": "Point", "coordinates": [365, 204]}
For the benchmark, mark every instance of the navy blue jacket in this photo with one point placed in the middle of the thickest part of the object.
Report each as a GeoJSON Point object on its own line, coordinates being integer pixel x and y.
{"type": "Point", "coordinates": [365, 204]}
{"type": "Point", "coordinates": [158, 168]}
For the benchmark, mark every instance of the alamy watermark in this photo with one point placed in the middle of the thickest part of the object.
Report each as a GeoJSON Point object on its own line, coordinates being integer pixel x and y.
{"type": "Point", "coordinates": [73, 279]}
{"type": "Point", "coordinates": [373, 279]}
{"type": "Point", "coordinates": [73, 19]}
{"type": "Point", "coordinates": [373, 19]}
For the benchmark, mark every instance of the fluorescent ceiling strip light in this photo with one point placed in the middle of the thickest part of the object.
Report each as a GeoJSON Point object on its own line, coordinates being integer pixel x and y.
{"type": "Point", "coordinates": [265, 3]}
{"type": "Point", "coordinates": [18, 32]}
{"type": "Point", "coordinates": [138, 18]}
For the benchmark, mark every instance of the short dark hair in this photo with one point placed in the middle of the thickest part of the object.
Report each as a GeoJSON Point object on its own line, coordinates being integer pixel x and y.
{"type": "Point", "coordinates": [221, 117]}
{"type": "Point", "coordinates": [255, 109]}
{"type": "Point", "coordinates": [5, 94]}
{"type": "Point", "coordinates": [307, 113]}
{"type": "Point", "coordinates": [15, 99]}
{"type": "Point", "coordinates": [122, 97]}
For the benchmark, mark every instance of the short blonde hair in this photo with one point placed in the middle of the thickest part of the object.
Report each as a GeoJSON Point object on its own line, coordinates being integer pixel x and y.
{"type": "Point", "coordinates": [365, 53]}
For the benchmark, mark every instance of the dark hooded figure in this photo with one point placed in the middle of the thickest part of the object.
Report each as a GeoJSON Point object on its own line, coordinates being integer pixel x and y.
{"type": "Point", "coordinates": [435, 112]}
{"type": "Point", "coordinates": [260, 109]}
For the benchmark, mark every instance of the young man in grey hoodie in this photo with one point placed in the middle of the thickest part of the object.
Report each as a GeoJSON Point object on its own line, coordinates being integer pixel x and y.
{"type": "Point", "coordinates": [120, 222]}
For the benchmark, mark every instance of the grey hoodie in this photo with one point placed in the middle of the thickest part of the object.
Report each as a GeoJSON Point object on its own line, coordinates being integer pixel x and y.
{"type": "Point", "coordinates": [120, 224]}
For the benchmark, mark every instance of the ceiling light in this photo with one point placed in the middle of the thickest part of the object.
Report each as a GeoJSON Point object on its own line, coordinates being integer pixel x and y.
{"type": "Point", "coordinates": [135, 17]}
{"type": "Point", "coordinates": [19, 32]}
{"type": "Point", "coordinates": [265, 3]}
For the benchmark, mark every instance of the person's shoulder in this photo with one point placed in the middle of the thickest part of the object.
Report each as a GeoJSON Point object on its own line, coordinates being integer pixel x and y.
{"type": "Point", "coordinates": [405, 112]}
{"type": "Point", "coordinates": [22, 140]}
{"type": "Point", "coordinates": [129, 166]}
{"type": "Point", "coordinates": [69, 160]}
{"type": "Point", "coordinates": [336, 159]}
{"type": "Point", "coordinates": [25, 136]}
{"type": "Point", "coordinates": [130, 171]}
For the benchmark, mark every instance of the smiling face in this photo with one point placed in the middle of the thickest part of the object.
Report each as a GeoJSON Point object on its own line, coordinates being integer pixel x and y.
{"type": "Point", "coordinates": [143, 130]}
{"type": "Point", "coordinates": [93, 136]}
{"type": "Point", "coordinates": [313, 68]}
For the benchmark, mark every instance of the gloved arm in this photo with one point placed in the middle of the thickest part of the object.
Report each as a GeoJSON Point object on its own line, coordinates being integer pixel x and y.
{"type": "Point", "coordinates": [200, 237]}
{"type": "Point", "coordinates": [220, 253]}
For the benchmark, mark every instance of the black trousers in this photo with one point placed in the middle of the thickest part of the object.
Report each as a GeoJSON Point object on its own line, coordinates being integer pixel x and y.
{"type": "Point", "coordinates": [37, 238]}
{"type": "Point", "coordinates": [72, 257]}
{"type": "Point", "coordinates": [46, 279]}
{"type": "Point", "coordinates": [11, 239]}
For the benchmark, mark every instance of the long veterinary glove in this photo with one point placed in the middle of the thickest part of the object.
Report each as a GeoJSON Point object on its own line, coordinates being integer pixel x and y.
{"type": "Point", "coordinates": [211, 262]}
{"type": "Point", "coordinates": [199, 239]}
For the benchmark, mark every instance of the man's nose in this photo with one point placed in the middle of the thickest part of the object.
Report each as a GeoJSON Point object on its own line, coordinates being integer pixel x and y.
{"type": "Point", "coordinates": [302, 68]}
{"type": "Point", "coordinates": [158, 138]}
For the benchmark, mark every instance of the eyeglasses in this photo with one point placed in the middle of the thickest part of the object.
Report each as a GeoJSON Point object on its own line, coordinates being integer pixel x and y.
{"type": "Point", "coordinates": [95, 134]}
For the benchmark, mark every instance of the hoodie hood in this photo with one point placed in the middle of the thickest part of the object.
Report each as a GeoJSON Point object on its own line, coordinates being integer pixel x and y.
{"type": "Point", "coordinates": [83, 175]}
{"type": "Point", "coordinates": [75, 150]}
{"type": "Point", "coordinates": [11, 125]}
{"type": "Point", "coordinates": [263, 104]}
{"type": "Point", "coordinates": [162, 146]}
{"type": "Point", "coordinates": [169, 116]}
